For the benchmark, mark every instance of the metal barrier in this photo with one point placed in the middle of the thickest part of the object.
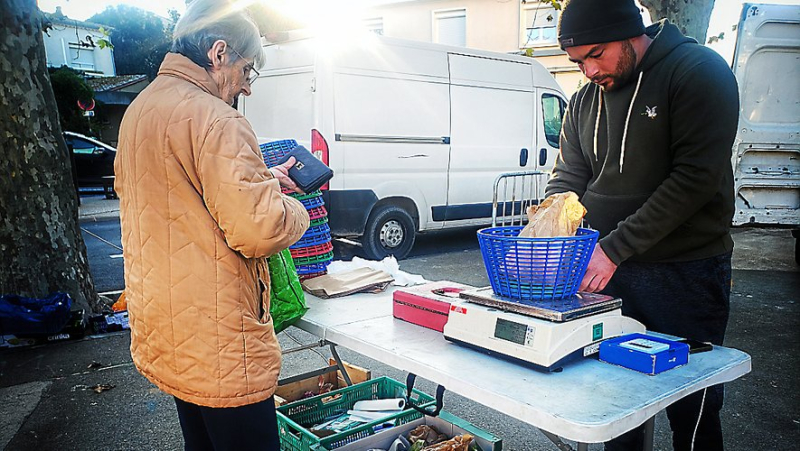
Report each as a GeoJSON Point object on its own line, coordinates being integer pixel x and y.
{"type": "Point", "coordinates": [514, 192]}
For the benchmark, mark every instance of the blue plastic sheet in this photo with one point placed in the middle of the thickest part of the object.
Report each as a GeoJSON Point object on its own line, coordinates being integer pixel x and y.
{"type": "Point", "coordinates": [34, 316]}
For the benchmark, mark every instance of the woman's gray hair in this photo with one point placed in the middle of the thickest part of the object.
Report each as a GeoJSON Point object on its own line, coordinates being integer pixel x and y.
{"type": "Point", "coordinates": [207, 21]}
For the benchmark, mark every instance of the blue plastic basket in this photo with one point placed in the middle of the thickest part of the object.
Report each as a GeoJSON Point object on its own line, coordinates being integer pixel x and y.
{"type": "Point", "coordinates": [274, 151]}
{"type": "Point", "coordinates": [535, 268]}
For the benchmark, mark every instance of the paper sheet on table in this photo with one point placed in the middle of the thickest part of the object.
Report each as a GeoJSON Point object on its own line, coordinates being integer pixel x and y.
{"type": "Point", "coordinates": [388, 265]}
{"type": "Point", "coordinates": [358, 280]}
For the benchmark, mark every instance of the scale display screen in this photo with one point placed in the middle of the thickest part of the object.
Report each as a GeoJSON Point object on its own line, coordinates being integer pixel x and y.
{"type": "Point", "coordinates": [510, 331]}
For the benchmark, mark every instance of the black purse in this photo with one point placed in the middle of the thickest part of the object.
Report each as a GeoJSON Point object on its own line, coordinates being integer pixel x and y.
{"type": "Point", "coordinates": [307, 172]}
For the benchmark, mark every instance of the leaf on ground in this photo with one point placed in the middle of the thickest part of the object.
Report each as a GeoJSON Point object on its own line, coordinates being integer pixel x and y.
{"type": "Point", "coordinates": [100, 388]}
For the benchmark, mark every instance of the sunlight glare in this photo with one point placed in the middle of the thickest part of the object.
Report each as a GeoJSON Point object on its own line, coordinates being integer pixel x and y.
{"type": "Point", "coordinates": [333, 22]}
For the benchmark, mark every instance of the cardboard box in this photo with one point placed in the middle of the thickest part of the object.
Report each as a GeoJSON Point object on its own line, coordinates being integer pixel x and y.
{"type": "Point", "coordinates": [285, 394]}
{"type": "Point", "coordinates": [426, 305]}
{"type": "Point", "coordinates": [620, 351]}
{"type": "Point", "coordinates": [446, 423]}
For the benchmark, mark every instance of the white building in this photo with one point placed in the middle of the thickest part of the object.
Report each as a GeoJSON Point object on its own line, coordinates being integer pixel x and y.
{"type": "Point", "coordinates": [74, 43]}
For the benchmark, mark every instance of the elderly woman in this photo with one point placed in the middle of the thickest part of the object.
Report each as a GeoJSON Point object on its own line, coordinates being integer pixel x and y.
{"type": "Point", "coordinates": [200, 212]}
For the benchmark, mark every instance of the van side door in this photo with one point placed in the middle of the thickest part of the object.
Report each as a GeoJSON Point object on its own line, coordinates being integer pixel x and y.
{"type": "Point", "coordinates": [492, 117]}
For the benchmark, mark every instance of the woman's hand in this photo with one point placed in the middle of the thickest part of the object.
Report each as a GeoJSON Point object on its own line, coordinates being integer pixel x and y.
{"type": "Point", "coordinates": [281, 172]}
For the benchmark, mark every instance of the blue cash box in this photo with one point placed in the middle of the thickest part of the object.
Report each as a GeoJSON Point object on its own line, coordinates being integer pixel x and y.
{"type": "Point", "coordinates": [647, 354]}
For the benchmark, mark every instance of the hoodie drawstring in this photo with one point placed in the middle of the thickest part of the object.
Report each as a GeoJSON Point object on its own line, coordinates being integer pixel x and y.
{"type": "Point", "coordinates": [627, 120]}
{"type": "Point", "coordinates": [597, 121]}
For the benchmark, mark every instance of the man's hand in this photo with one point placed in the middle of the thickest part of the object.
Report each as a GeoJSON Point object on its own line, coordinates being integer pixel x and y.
{"type": "Point", "coordinates": [281, 172]}
{"type": "Point", "coordinates": [599, 272]}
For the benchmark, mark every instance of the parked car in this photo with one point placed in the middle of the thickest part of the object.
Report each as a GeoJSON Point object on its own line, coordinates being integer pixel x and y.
{"type": "Point", "coordinates": [94, 162]}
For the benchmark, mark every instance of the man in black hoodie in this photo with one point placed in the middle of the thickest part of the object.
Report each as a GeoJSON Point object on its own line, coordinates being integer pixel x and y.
{"type": "Point", "coordinates": [647, 147]}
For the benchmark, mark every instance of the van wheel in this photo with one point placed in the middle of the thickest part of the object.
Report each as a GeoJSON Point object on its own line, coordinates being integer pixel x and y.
{"type": "Point", "coordinates": [390, 231]}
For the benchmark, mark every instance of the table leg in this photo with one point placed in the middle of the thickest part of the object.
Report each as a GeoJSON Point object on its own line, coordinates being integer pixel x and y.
{"type": "Point", "coordinates": [649, 432]}
{"type": "Point", "coordinates": [560, 443]}
{"type": "Point", "coordinates": [341, 365]}
{"type": "Point", "coordinates": [583, 447]}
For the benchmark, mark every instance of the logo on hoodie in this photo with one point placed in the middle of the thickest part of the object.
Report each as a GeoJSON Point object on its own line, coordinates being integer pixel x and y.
{"type": "Point", "coordinates": [651, 112]}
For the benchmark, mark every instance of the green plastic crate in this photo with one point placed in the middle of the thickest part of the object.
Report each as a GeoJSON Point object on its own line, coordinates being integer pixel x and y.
{"type": "Point", "coordinates": [318, 222]}
{"type": "Point", "coordinates": [295, 419]}
{"type": "Point", "coordinates": [315, 259]}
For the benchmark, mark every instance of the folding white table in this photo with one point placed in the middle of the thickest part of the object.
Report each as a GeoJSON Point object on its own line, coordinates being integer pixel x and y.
{"type": "Point", "coordinates": [588, 402]}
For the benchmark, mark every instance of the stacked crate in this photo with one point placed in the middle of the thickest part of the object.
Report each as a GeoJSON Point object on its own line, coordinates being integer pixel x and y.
{"type": "Point", "coordinates": [313, 252]}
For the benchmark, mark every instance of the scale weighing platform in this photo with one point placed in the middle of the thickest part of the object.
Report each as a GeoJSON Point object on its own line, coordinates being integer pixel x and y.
{"type": "Point", "coordinates": [543, 334]}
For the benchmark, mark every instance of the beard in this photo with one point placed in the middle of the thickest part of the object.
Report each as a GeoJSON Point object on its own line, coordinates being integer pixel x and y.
{"type": "Point", "coordinates": [623, 73]}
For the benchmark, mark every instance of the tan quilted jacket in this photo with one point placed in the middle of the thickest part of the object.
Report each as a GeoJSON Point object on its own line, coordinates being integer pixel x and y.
{"type": "Point", "coordinates": [199, 212]}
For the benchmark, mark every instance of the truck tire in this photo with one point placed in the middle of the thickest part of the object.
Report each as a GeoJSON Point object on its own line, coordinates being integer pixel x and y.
{"type": "Point", "coordinates": [390, 231]}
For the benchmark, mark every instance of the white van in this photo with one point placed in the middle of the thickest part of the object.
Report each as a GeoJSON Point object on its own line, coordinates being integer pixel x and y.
{"type": "Point", "coordinates": [415, 132]}
{"type": "Point", "coordinates": [766, 153]}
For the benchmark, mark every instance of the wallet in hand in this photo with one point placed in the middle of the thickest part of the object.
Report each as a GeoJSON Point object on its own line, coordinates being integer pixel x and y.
{"type": "Point", "coordinates": [308, 172]}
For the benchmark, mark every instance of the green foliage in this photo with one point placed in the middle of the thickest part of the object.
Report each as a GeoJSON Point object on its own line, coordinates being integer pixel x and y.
{"type": "Point", "coordinates": [717, 38]}
{"type": "Point", "coordinates": [174, 16]}
{"type": "Point", "coordinates": [140, 38]}
{"type": "Point", "coordinates": [556, 4]}
{"type": "Point", "coordinates": [69, 88]}
{"type": "Point", "coordinates": [104, 42]}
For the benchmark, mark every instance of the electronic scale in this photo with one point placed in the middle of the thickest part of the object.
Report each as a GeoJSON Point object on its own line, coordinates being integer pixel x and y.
{"type": "Point", "coordinates": [543, 334]}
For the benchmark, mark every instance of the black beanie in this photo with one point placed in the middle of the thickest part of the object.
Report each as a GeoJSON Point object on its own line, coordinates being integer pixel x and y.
{"type": "Point", "coordinates": [586, 22]}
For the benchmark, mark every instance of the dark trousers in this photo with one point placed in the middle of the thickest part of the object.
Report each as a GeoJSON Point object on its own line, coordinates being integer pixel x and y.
{"type": "Point", "coordinates": [250, 427]}
{"type": "Point", "coordinates": [686, 299]}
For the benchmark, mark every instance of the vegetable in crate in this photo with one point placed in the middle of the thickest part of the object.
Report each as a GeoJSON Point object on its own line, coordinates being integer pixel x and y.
{"type": "Point", "coordinates": [457, 443]}
{"type": "Point", "coordinates": [426, 433]}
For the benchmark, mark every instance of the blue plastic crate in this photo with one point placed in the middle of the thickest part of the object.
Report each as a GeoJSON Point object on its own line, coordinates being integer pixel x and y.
{"type": "Point", "coordinates": [535, 268]}
{"type": "Point", "coordinates": [312, 202]}
{"type": "Point", "coordinates": [316, 235]}
{"type": "Point", "coordinates": [313, 268]}
{"type": "Point", "coordinates": [275, 150]}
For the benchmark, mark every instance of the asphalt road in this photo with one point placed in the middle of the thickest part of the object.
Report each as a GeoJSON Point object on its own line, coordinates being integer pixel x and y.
{"type": "Point", "coordinates": [50, 407]}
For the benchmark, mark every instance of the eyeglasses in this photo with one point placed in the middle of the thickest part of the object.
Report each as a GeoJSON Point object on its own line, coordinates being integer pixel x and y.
{"type": "Point", "coordinates": [247, 68]}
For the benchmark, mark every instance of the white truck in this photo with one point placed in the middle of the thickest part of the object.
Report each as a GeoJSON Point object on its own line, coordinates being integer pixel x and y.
{"type": "Point", "coordinates": [415, 132]}
{"type": "Point", "coordinates": [766, 153]}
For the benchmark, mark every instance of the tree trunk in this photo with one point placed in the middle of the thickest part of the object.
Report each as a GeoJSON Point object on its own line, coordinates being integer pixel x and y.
{"type": "Point", "coordinates": [41, 247]}
{"type": "Point", "coordinates": [691, 16]}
